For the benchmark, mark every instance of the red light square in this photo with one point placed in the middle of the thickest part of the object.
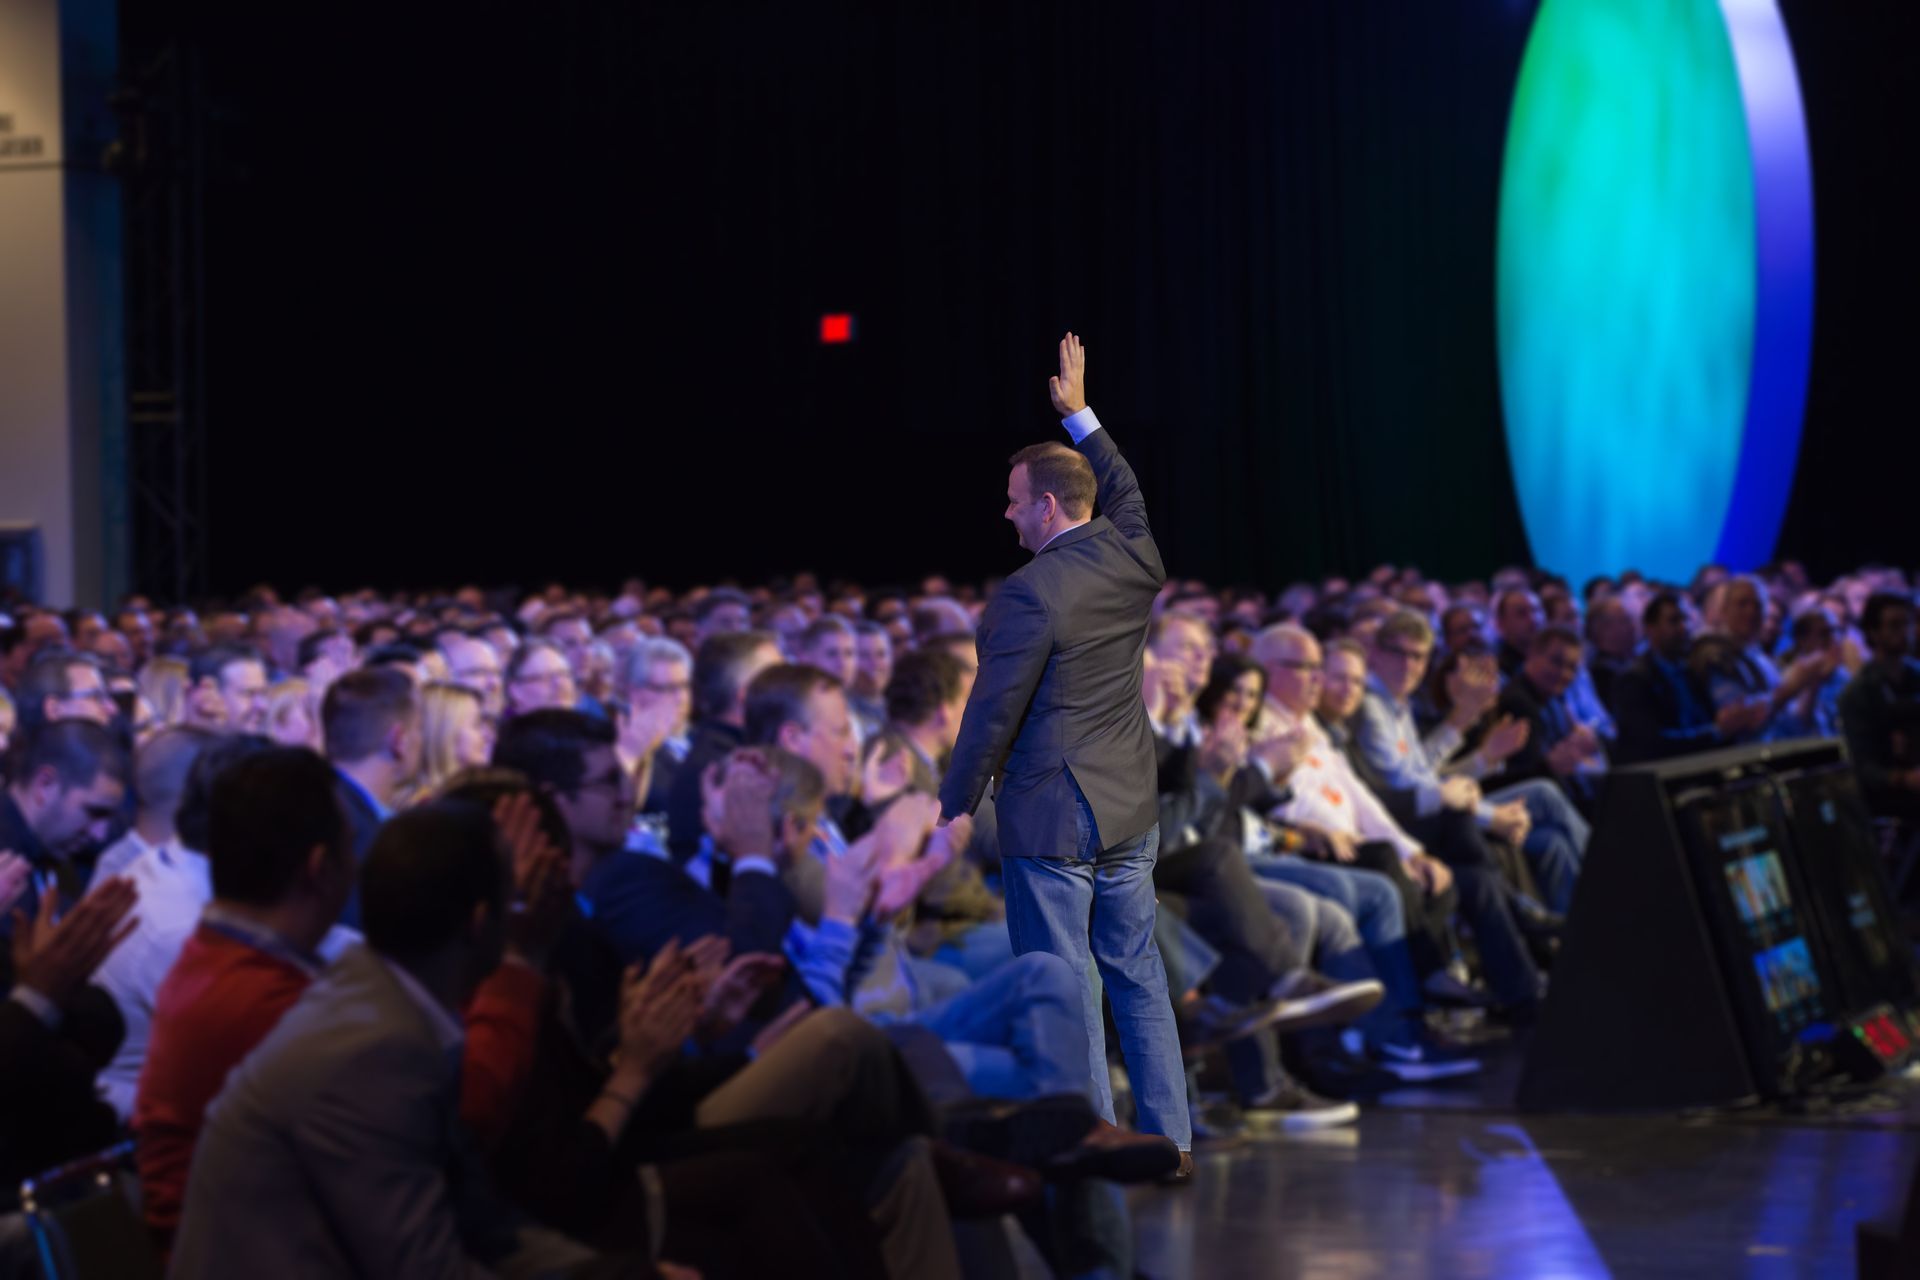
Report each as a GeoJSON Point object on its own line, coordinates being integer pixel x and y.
{"type": "Point", "coordinates": [836, 328]}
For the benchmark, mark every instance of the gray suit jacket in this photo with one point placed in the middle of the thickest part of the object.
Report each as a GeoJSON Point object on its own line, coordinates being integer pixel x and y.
{"type": "Point", "coordinates": [333, 1151]}
{"type": "Point", "coordinates": [1057, 708]}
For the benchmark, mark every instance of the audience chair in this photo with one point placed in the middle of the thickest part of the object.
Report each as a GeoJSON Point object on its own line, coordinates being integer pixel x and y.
{"type": "Point", "coordinates": [84, 1223]}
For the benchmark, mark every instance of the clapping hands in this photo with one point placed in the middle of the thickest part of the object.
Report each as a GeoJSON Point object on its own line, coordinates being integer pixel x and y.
{"type": "Point", "coordinates": [56, 957]}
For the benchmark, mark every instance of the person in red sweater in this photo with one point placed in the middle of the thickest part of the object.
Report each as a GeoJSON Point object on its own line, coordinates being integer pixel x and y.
{"type": "Point", "coordinates": [282, 867]}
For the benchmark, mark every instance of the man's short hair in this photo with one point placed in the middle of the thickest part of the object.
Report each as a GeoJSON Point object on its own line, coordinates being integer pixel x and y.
{"type": "Point", "coordinates": [642, 658]}
{"type": "Point", "coordinates": [778, 696]}
{"type": "Point", "coordinates": [1065, 473]}
{"type": "Point", "coordinates": [549, 747]}
{"type": "Point", "coordinates": [823, 626]}
{"type": "Point", "coordinates": [1554, 637]}
{"type": "Point", "coordinates": [1874, 612]}
{"type": "Point", "coordinates": [362, 708]}
{"type": "Point", "coordinates": [50, 675]}
{"type": "Point", "coordinates": [718, 670]}
{"type": "Point", "coordinates": [868, 627]}
{"type": "Point", "coordinates": [1407, 625]}
{"type": "Point", "coordinates": [311, 645]}
{"type": "Point", "coordinates": [717, 597]}
{"type": "Point", "coordinates": [426, 871]}
{"type": "Point", "coordinates": [193, 817]}
{"type": "Point", "coordinates": [1157, 629]}
{"type": "Point", "coordinates": [397, 654]}
{"type": "Point", "coordinates": [1661, 600]}
{"type": "Point", "coordinates": [162, 763]}
{"type": "Point", "coordinates": [210, 664]}
{"type": "Point", "coordinates": [78, 751]}
{"type": "Point", "coordinates": [1347, 645]}
{"type": "Point", "coordinates": [266, 811]}
{"type": "Point", "coordinates": [923, 681]}
{"type": "Point", "coordinates": [548, 621]}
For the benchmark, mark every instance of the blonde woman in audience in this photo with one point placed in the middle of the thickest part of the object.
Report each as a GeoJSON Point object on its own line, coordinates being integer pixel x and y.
{"type": "Point", "coordinates": [290, 718]}
{"type": "Point", "coordinates": [165, 684]}
{"type": "Point", "coordinates": [455, 734]}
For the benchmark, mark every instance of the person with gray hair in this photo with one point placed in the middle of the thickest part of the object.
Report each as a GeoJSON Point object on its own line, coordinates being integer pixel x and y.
{"type": "Point", "coordinates": [652, 707]}
{"type": "Point", "coordinates": [160, 769]}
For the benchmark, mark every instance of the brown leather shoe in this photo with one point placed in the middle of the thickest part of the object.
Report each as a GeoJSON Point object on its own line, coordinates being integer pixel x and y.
{"type": "Point", "coordinates": [979, 1186]}
{"type": "Point", "coordinates": [1117, 1155]}
{"type": "Point", "coordinates": [1184, 1174]}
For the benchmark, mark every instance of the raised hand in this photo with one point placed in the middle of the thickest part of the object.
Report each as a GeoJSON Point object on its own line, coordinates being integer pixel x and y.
{"type": "Point", "coordinates": [1069, 386]}
{"type": "Point", "coordinates": [885, 774]}
{"type": "Point", "coordinates": [1223, 745]}
{"type": "Point", "coordinates": [56, 959]}
{"type": "Point", "coordinates": [1473, 687]}
{"type": "Point", "coordinates": [1506, 737]}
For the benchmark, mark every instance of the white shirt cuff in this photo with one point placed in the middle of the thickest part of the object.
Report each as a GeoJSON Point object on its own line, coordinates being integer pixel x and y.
{"type": "Point", "coordinates": [764, 865]}
{"type": "Point", "coordinates": [37, 1005]}
{"type": "Point", "coordinates": [1081, 425]}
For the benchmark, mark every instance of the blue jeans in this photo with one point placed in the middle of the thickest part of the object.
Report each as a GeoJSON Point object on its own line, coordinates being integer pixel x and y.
{"type": "Point", "coordinates": [1369, 897]}
{"type": "Point", "coordinates": [1557, 841]}
{"type": "Point", "coordinates": [1016, 1033]}
{"type": "Point", "coordinates": [978, 951]}
{"type": "Point", "coordinates": [1337, 949]}
{"type": "Point", "coordinates": [1098, 904]}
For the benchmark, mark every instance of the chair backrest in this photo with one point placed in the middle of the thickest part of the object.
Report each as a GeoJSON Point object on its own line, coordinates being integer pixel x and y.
{"type": "Point", "coordinates": [84, 1220]}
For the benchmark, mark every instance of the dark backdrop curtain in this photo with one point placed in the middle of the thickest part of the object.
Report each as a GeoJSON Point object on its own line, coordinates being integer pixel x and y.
{"type": "Point", "coordinates": [532, 292]}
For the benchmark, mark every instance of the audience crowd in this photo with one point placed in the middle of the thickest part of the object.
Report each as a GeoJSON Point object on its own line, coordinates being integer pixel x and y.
{"type": "Point", "coordinates": [587, 934]}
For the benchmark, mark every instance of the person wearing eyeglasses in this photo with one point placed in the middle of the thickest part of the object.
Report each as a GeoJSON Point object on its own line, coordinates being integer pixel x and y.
{"type": "Point", "coordinates": [539, 678]}
{"type": "Point", "coordinates": [63, 685]}
{"type": "Point", "coordinates": [473, 665]}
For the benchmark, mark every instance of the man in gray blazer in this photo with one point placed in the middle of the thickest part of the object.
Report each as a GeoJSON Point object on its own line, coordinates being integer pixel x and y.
{"type": "Point", "coordinates": [334, 1149]}
{"type": "Point", "coordinates": [1056, 711]}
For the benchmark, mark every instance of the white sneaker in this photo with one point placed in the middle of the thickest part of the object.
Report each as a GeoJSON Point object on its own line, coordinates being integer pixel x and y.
{"type": "Point", "coordinates": [1293, 1108]}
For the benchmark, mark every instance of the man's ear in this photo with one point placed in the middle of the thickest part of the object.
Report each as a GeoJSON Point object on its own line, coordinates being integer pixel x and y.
{"type": "Point", "coordinates": [44, 785]}
{"type": "Point", "coordinates": [788, 737]}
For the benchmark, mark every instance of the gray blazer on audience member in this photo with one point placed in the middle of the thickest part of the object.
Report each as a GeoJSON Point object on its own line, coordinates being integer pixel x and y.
{"type": "Point", "coordinates": [334, 1150]}
{"type": "Point", "coordinates": [1056, 710]}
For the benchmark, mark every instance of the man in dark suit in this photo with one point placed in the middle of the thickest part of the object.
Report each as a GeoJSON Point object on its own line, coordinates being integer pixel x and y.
{"type": "Point", "coordinates": [1659, 704]}
{"type": "Point", "coordinates": [1559, 745]}
{"type": "Point", "coordinates": [371, 722]}
{"type": "Point", "coordinates": [1057, 712]}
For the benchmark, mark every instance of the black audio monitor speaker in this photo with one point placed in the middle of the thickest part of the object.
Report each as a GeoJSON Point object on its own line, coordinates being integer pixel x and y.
{"type": "Point", "coordinates": [1697, 967]}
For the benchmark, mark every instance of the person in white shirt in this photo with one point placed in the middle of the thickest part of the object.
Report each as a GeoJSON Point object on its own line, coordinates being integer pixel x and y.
{"type": "Point", "coordinates": [175, 884]}
{"type": "Point", "coordinates": [160, 770]}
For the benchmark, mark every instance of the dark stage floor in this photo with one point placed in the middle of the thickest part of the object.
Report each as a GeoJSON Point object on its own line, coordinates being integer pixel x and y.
{"type": "Point", "coordinates": [1457, 1184]}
